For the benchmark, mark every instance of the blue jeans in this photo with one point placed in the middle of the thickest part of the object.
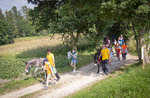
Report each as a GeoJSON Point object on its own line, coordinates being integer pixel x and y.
{"type": "Point", "coordinates": [74, 61]}
{"type": "Point", "coordinates": [104, 65]}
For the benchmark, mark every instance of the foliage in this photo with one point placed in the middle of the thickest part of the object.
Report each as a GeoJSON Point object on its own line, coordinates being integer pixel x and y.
{"type": "Point", "coordinates": [14, 24]}
{"type": "Point", "coordinates": [132, 47]}
{"type": "Point", "coordinates": [134, 82]}
{"type": "Point", "coordinates": [11, 68]}
{"type": "Point", "coordinates": [6, 35]}
{"type": "Point", "coordinates": [93, 17]}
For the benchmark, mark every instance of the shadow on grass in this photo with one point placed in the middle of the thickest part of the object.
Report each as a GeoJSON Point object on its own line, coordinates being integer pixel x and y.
{"type": "Point", "coordinates": [56, 50]}
{"type": "Point", "coordinates": [41, 51]}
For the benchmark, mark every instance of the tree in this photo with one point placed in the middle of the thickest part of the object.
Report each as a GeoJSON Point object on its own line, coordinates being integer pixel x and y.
{"type": "Point", "coordinates": [134, 14]}
{"type": "Point", "coordinates": [6, 35]}
{"type": "Point", "coordinates": [97, 16]}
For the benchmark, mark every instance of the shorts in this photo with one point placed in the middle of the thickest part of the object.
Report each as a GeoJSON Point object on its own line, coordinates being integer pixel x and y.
{"type": "Point", "coordinates": [49, 76]}
{"type": "Point", "coordinates": [74, 61]}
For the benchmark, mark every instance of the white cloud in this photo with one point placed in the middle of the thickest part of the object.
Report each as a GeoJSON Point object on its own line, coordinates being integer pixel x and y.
{"type": "Point", "coordinates": [8, 4]}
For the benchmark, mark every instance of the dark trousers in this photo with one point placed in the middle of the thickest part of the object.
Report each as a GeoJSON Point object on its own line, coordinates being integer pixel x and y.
{"type": "Point", "coordinates": [57, 76]}
{"type": "Point", "coordinates": [124, 56]}
{"type": "Point", "coordinates": [104, 66]}
{"type": "Point", "coordinates": [98, 66]}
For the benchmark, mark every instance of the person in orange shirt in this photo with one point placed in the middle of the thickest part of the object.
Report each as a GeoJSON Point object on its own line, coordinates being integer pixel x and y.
{"type": "Point", "coordinates": [49, 73]}
{"type": "Point", "coordinates": [124, 51]}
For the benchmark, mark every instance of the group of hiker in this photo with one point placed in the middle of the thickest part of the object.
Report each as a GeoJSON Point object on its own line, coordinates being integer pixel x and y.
{"type": "Point", "coordinates": [105, 53]}
{"type": "Point", "coordinates": [50, 70]}
{"type": "Point", "coordinates": [49, 66]}
{"type": "Point", "coordinates": [103, 56]}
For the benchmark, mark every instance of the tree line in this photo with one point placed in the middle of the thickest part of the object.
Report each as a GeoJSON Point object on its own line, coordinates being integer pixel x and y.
{"type": "Point", "coordinates": [14, 24]}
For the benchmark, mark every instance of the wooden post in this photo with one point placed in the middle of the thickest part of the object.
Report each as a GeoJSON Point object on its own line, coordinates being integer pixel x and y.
{"type": "Point", "coordinates": [142, 51]}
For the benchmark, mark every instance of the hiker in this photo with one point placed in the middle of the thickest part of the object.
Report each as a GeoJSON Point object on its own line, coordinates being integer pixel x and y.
{"type": "Point", "coordinates": [106, 40]}
{"type": "Point", "coordinates": [124, 51]}
{"type": "Point", "coordinates": [118, 49]}
{"type": "Point", "coordinates": [99, 62]}
{"type": "Point", "coordinates": [74, 60]}
{"type": "Point", "coordinates": [110, 48]}
{"type": "Point", "coordinates": [49, 73]}
{"type": "Point", "coordinates": [51, 60]}
{"type": "Point", "coordinates": [105, 57]}
{"type": "Point", "coordinates": [96, 57]}
{"type": "Point", "coordinates": [120, 40]}
{"type": "Point", "coordinates": [113, 37]}
{"type": "Point", "coordinates": [115, 42]}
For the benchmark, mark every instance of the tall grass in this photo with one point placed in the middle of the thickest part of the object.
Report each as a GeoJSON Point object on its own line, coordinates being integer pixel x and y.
{"type": "Point", "coordinates": [133, 83]}
{"type": "Point", "coordinates": [132, 47]}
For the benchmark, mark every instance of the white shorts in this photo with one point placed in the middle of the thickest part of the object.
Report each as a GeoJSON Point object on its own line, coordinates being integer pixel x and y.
{"type": "Point", "coordinates": [49, 76]}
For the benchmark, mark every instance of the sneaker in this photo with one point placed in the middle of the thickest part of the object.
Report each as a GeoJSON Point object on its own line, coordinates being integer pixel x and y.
{"type": "Point", "coordinates": [74, 70]}
{"type": "Point", "coordinates": [45, 87]}
{"type": "Point", "coordinates": [106, 73]}
{"type": "Point", "coordinates": [58, 79]}
{"type": "Point", "coordinates": [53, 83]}
{"type": "Point", "coordinates": [95, 64]}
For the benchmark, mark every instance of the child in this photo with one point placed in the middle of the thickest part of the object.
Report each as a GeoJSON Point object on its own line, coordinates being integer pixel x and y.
{"type": "Point", "coordinates": [118, 49]}
{"type": "Point", "coordinates": [49, 73]}
{"type": "Point", "coordinates": [124, 51]}
{"type": "Point", "coordinates": [111, 53]}
{"type": "Point", "coordinates": [74, 60]}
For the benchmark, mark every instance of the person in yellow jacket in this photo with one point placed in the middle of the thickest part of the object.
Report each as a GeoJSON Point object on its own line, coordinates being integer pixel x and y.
{"type": "Point", "coordinates": [51, 60]}
{"type": "Point", "coordinates": [105, 57]}
{"type": "Point", "coordinates": [49, 72]}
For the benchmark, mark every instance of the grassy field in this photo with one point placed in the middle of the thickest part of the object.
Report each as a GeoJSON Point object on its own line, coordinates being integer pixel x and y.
{"type": "Point", "coordinates": [132, 82]}
{"type": "Point", "coordinates": [12, 55]}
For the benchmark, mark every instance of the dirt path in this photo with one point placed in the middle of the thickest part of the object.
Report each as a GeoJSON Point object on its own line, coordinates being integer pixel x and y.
{"type": "Point", "coordinates": [70, 82]}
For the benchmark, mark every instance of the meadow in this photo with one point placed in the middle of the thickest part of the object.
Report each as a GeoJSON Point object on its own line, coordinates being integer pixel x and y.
{"type": "Point", "coordinates": [12, 57]}
{"type": "Point", "coordinates": [130, 82]}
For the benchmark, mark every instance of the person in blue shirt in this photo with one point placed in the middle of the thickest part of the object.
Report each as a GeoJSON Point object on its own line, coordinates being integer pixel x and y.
{"type": "Point", "coordinates": [120, 40]}
{"type": "Point", "coordinates": [74, 60]}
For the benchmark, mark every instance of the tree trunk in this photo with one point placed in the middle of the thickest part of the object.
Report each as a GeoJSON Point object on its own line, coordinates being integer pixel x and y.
{"type": "Point", "coordinates": [73, 41]}
{"type": "Point", "coordinates": [138, 42]}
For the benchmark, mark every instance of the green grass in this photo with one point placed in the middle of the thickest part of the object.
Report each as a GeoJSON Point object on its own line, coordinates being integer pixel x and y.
{"type": "Point", "coordinates": [17, 84]}
{"type": "Point", "coordinates": [134, 82]}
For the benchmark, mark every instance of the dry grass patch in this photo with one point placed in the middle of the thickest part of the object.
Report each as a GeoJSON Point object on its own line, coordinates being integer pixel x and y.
{"type": "Point", "coordinates": [24, 44]}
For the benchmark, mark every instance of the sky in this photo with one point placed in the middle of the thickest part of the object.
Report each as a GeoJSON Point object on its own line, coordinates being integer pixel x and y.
{"type": "Point", "coordinates": [8, 4]}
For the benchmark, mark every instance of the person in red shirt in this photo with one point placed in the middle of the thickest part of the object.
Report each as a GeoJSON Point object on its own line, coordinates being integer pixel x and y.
{"type": "Point", "coordinates": [124, 51]}
{"type": "Point", "coordinates": [118, 49]}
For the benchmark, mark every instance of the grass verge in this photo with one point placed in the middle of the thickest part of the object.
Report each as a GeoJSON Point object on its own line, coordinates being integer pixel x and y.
{"type": "Point", "coordinates": [17, 84]}
{"type": "Point", "coordinates": [133, 83]}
